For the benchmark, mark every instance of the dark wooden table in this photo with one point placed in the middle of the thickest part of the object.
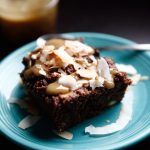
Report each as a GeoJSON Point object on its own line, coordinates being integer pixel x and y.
{"type": "Point", "coordinates": [129, 19]}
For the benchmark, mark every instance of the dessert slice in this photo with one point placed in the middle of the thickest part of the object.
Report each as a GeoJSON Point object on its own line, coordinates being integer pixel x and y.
{"type": "Point", "coordinates": [70, 83]}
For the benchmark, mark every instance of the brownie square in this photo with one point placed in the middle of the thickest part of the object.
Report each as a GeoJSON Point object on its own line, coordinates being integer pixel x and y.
{"type": "Point", "coordinates": [82, 92]}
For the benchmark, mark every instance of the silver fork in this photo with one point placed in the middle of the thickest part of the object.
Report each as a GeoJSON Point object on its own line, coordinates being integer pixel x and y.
{"type": "Point", "coordinates": [135, 47]}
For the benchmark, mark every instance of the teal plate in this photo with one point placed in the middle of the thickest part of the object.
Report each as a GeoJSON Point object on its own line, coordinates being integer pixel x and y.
{"type": "Point", "coordinates": [40, 136]}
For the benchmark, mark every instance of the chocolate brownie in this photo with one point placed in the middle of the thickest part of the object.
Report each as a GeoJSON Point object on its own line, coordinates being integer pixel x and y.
{"type": "Point", "coordinates": [70, 83]}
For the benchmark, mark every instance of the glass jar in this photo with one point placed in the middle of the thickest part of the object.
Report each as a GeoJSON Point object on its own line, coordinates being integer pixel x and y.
{"type": "Point", "coordinates": [25, 20]}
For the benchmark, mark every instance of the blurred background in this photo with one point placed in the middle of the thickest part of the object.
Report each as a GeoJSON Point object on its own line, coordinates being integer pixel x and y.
{"type": "Point", "coordinates": [129, 19]}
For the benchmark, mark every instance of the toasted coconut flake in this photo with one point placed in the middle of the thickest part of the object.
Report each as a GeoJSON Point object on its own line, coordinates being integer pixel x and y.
{"type": "Point", "coordinates": [41, 70]}
{"type": "Point", "coordinates": [68, 81]}
{"type": "Point", "coordinates": [143, 78]}
{"type": "Point", "coordinates": [66, 135]}
{"type": "Point", "coordinates": [126, 68]}
{"type": "Point", "coordinates": [86, 73]}
{"type": "Point", "coordinates": [28, 121]}
{"type": "Point", "coordinates": [81, 82]}
{"type": "Point", "coordinates": [135, 79]}
{"type": "Point", "coordinates": [103, 69]}
{"type": "Point", "coordinates": [124, 117]}
{"type": "Point", "coordinates": [93, 59]}
{"type": "Point", "coordinates": [41, 42]}
{"type": "Point", "coordinates": [96, 83]}
{"type": "Point", "coordinates": [63, 57]}
{"type": "Point", "coordinates": [78, 48]}
{"type": "Point", "coordinates": [34, 56]}
{"type": "Point", "coordinates": [47, 50]}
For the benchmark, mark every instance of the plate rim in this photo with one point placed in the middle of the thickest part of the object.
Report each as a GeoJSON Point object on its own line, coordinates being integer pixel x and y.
{"type": "Point", "coordinates": [19, 141]}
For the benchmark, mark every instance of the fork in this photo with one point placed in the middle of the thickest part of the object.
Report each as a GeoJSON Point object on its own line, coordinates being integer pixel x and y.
{"type": "Point", "coordinates": [135, 47]}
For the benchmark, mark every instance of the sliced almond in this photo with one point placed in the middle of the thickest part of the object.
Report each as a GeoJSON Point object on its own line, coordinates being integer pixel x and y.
{"type": "Point", "coordinates": [55, 88]}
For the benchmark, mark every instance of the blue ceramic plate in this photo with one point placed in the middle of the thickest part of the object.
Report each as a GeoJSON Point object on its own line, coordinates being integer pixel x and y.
{"type": "Point", "coordinates": [40, 136]}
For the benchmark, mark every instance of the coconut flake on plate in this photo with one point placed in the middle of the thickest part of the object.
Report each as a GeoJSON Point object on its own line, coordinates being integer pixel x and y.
{"type": "Point", "coordinates": [127, 68]}
{"type": "Point", "coordinates": [20, 102]}
{"type": "Point", "coordinates": [24, 104]}
{"type": "Point", "coordinates": [108, 121]}
{"type": "Point", "coordinates": [137, 77]}
{"type": "Point", "coordinates": [28, 121]}
{"type": "Point", "coordinates": [66, 135]}
{"type": "Point", "coordinates": [124, 117]}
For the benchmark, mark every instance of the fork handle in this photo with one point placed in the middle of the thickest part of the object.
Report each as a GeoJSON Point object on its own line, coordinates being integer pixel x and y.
{"type": "Point", "coordinates": [138, 47]}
